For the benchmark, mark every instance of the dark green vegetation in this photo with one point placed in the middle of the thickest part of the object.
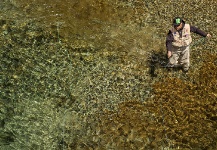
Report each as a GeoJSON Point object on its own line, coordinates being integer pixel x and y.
{"type": "Point", "coordinates": [87, 75]}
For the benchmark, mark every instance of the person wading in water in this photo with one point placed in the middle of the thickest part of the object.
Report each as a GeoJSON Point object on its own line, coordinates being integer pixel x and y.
{"type": "Point", "coordinates": [178, 41]}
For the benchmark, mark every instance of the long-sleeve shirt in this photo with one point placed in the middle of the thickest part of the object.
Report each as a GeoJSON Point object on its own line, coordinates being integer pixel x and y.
{"type": "Point", "coordinates": [170, 39]}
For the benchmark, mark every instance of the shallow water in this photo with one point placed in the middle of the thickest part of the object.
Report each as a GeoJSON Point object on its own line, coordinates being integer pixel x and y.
{"type": "Point", "coordinates": [70, 17]}
{"type": "Point", "coordinates": [76, 74]}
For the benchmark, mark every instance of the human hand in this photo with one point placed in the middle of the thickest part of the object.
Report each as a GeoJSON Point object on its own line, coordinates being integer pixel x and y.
{"type": "Point", "coordinates": [208, 35]}
{"type": "Point", "coordinates": [169, 54]}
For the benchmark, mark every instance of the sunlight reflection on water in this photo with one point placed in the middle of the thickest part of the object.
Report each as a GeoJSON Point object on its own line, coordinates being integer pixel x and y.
{"type": "Point", "coordinates": [76, 17]}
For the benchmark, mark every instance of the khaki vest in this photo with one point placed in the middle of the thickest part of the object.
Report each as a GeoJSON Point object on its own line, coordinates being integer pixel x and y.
{"type": "Point", "coordinates": [185, 40]}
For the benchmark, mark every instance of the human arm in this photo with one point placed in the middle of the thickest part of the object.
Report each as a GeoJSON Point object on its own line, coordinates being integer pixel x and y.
{"type": "Point", "coordinates": [200, 32]}
{"type": "Point", "coordinates": [169, 40]}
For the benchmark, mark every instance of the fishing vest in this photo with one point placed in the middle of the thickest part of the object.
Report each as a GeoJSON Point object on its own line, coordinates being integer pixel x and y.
{"type": "Point", "coordinates": [185, 39]}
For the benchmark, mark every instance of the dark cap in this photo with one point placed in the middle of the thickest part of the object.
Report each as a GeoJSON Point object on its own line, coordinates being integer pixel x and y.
{"type": "Point", "coordinates": [177, 21]}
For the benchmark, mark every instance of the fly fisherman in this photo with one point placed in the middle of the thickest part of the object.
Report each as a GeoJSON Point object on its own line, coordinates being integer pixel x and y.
{"type": "Point", "coordinates": [178, 41]}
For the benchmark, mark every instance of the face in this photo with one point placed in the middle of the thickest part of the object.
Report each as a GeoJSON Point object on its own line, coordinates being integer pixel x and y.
{"type": "Point", "coordinates": [178, 27]}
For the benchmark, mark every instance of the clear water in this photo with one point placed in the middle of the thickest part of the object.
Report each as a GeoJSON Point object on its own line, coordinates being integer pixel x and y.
{"type": "Point", "coordinates": [75, 74]}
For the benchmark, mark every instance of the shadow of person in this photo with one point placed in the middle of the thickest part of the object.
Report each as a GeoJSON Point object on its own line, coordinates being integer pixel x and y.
{"type": "Point", "coordinates": [159, 60]}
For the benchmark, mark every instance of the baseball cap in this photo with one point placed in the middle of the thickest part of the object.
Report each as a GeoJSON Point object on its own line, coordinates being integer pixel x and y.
{"type": "Point", "coordinates": [177, 21]}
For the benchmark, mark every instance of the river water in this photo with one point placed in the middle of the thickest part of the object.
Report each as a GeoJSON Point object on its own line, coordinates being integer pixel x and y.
{"type": "Point", "coordinates": [76, 73]}
{"type": "Point", "coordinates": [70, 17]}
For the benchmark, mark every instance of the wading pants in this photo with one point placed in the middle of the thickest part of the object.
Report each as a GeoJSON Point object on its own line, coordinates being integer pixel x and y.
{"type": "Point", "coordinates": [181, 56]}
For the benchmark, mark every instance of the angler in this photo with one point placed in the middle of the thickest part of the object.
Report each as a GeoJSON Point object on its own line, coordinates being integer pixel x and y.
{"type": "Point", "coordinates": [178, 41]}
